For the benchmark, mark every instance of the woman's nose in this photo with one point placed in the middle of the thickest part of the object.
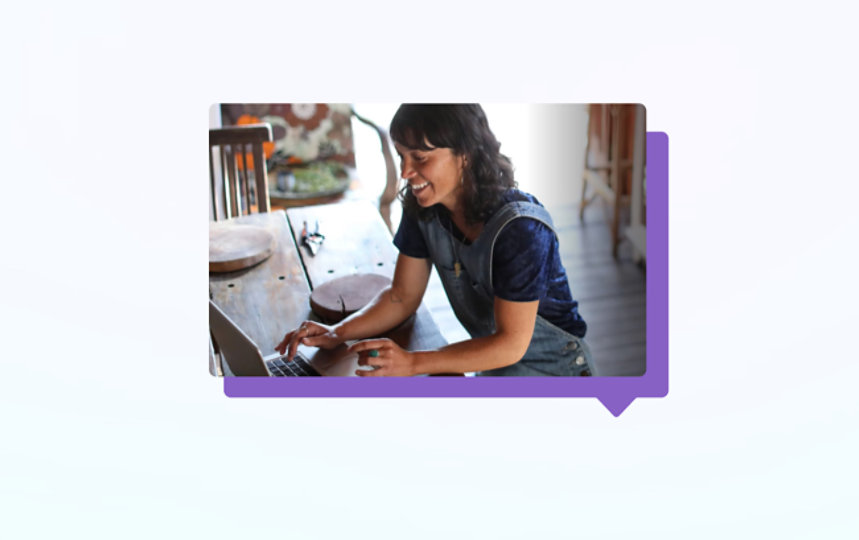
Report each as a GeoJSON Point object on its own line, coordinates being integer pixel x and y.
{"type": "Point", "coordinates": [406, 170]}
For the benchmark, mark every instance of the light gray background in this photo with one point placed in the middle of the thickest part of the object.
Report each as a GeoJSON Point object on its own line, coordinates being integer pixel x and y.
{"type": "Point", "coordinates": [111, 427]}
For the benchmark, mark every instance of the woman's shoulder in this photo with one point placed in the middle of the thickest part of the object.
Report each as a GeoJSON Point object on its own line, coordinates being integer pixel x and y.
{"type": "Point", "coordinates": [512, 206]}
{"type": "Point", "coordinates": [516, 195]}
{"type": "Point", "coordinates": [523, 228]}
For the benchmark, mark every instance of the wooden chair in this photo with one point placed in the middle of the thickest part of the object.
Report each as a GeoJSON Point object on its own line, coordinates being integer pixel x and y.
{"type": "Point", "coordinates": [231, 191]}
{"type": "Point", "coordinates": [389, 194]}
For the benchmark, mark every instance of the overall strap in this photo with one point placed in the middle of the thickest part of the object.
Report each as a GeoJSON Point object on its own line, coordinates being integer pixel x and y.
{"type": "Point", "coordinates": [506, 214]}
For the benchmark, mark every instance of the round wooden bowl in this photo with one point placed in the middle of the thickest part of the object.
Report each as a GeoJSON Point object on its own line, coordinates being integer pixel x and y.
{"type": "Point", "coordinates": [335, 300]}
{"type": "Point", "coordinates": [235, 247]}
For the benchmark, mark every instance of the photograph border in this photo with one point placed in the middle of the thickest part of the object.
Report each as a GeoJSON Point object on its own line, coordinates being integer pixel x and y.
{"type": "Point", "coordinates": [616, 393]}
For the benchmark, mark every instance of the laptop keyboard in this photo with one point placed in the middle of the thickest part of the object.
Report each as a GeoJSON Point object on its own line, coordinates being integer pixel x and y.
{"type": "Point", "coordinates": [299, 367]}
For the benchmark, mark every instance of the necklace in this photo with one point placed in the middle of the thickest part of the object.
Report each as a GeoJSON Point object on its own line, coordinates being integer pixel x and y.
{"type": "Point", "coordinates": [457, 266]}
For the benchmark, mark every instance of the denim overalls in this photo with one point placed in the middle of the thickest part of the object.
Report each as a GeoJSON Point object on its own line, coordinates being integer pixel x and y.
{"type": "Point", "coordinates": [552, 351]}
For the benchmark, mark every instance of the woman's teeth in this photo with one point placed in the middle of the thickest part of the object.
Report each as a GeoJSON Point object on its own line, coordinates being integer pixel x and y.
{"type": "Point", "coordinates": [418, 187]}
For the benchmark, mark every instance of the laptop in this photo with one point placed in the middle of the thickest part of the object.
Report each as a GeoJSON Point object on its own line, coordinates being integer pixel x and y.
{"type": "Point", "coordinates": [243, 358]}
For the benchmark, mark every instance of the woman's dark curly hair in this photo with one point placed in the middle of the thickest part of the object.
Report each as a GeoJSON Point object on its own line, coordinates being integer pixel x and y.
{"type": "Point", "coordinates": [465, 130]}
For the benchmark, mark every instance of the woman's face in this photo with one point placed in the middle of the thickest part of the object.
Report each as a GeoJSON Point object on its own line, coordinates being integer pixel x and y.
{"type": "Point", "coordinates": [434, 176]}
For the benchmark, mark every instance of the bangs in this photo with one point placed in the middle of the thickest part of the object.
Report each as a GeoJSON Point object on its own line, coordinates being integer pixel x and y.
{"type": "Point", "coordinates": [409, 137]}
{"type": "Point", "coordinates": [424, 127]}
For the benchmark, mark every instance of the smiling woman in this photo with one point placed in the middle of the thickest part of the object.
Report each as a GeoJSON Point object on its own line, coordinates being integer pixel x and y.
{"type": "Point", "coordinates": [494, 248]}
{"type": "Point", "coordinates": [433, 176]}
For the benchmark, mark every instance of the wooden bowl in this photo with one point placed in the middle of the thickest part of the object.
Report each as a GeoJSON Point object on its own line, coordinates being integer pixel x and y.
{"type": "Point", "coordinates": [235, 247]}
{"type": "Point", "coordinates": [335, 300]}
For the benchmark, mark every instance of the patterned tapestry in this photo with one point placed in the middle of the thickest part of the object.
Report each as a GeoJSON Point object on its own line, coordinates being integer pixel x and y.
{"type": "Point", "coordinates": [302, 132]}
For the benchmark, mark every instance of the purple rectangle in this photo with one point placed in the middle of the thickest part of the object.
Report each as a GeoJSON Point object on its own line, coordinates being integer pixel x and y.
{"type": "Point", "coordinates": [616, 393]}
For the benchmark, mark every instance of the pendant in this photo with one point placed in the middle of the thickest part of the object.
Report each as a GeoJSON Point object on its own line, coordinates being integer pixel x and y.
{"type": "Point", "coordinates": [457, 268]}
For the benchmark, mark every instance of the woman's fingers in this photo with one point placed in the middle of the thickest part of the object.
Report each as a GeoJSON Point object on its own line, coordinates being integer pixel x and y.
{"type": "Point", "coordinates": [293, 343]}
{"type": "Point", "coordinates": [380, 364]}
{"type": "Point", "coordinates": [367, 359]}
{"type": "Point", "coordinates": [388, 359]}
{"type": "Point", "coordinates": [378, 353]}
{"type": "Point", "coordinates": [289, 345]}
{"type": "Point", "coordinates": [370, 372]}
{"type": "Point", "coordinates": [309, 333]}
{"type": "Point", "coordinates": [281, 347]}
{"type": "Point", "coordinates": [370, 345]}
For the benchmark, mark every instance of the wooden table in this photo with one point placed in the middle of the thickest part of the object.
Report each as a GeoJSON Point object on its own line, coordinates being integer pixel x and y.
{"type": "Point", "coordinates": [271, 298]}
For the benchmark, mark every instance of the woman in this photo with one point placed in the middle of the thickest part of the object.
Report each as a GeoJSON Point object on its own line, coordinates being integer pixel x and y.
{"type": "Point", "coordinates": [494, 248]}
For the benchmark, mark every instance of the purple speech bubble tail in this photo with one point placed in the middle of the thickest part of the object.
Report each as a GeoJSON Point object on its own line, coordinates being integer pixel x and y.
{"type": "Point", "coordinates": [616, 403]}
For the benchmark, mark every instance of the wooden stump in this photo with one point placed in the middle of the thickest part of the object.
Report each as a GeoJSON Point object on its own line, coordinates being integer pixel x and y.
{"type": "Point", "coordinates": [335, 300]}
{"type": "Point", "coordinates": [235, 247]}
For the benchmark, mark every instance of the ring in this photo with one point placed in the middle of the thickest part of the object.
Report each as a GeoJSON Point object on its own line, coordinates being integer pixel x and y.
{"type": "Point", "coordinates": [374, 353]}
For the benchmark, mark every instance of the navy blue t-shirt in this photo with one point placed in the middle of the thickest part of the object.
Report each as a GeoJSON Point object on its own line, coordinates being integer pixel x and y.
{"type": "Point", "coordinates": [526, 265]}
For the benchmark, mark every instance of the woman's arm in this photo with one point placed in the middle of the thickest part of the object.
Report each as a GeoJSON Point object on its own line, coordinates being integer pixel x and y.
{"type": "Point", "coordinates": [514, 325]}
{"type": "Point", "coordinates": [393, 305]}
{"type": "Point", "coordinates": [389, 308]}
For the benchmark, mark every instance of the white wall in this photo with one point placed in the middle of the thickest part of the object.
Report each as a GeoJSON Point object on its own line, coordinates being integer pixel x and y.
{"type": "Point", "coordinates": [546, 143]}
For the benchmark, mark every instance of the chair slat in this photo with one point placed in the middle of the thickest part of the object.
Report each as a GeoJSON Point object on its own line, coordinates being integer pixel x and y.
{"type": "Point", "coordinates": [213, 185]}
{"type": "Point", "coordinates": [233, 189]}
{"type": "Point", "coordinates": [261, 179]}
{"type": "Point", "coordinates": [231, 174]}
{"type": "Point", "coordinates": [244, 179]}
{"type": "Point", "coordinates": [224, 184]}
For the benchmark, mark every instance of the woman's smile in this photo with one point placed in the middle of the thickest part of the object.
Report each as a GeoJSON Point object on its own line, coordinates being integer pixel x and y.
{"type": "Point", "coordinates": [417, 188]}
{"type": "Point", "coordinates": [434, 175]}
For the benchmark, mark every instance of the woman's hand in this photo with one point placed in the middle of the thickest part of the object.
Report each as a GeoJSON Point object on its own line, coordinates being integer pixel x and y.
{"type": "Point", "coordinates": [309, 333]}
{"type": "Point", "coordinates": [389, 359]}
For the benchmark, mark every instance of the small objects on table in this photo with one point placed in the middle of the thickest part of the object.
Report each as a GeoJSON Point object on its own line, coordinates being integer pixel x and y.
{"type": "Point", "coordinates": [312, 241]}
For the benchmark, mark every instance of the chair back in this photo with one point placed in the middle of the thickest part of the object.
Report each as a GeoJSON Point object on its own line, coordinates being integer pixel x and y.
{"type": "Point", "coordinates": [238, 179]}
{"type": "Point", "coordinates": [389, 194]}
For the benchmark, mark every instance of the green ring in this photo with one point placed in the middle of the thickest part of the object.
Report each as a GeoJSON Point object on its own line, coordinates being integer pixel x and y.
{"type": "Point", "coordinates": [374, 353]}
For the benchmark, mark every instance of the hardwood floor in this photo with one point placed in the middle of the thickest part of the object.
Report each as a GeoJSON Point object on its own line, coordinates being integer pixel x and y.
{"type": "Point", "coordinates": [611, 292]}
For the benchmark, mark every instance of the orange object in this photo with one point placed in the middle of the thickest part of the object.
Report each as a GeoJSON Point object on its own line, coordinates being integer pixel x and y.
{"type": "Point", "coordinates": [267, 147]}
